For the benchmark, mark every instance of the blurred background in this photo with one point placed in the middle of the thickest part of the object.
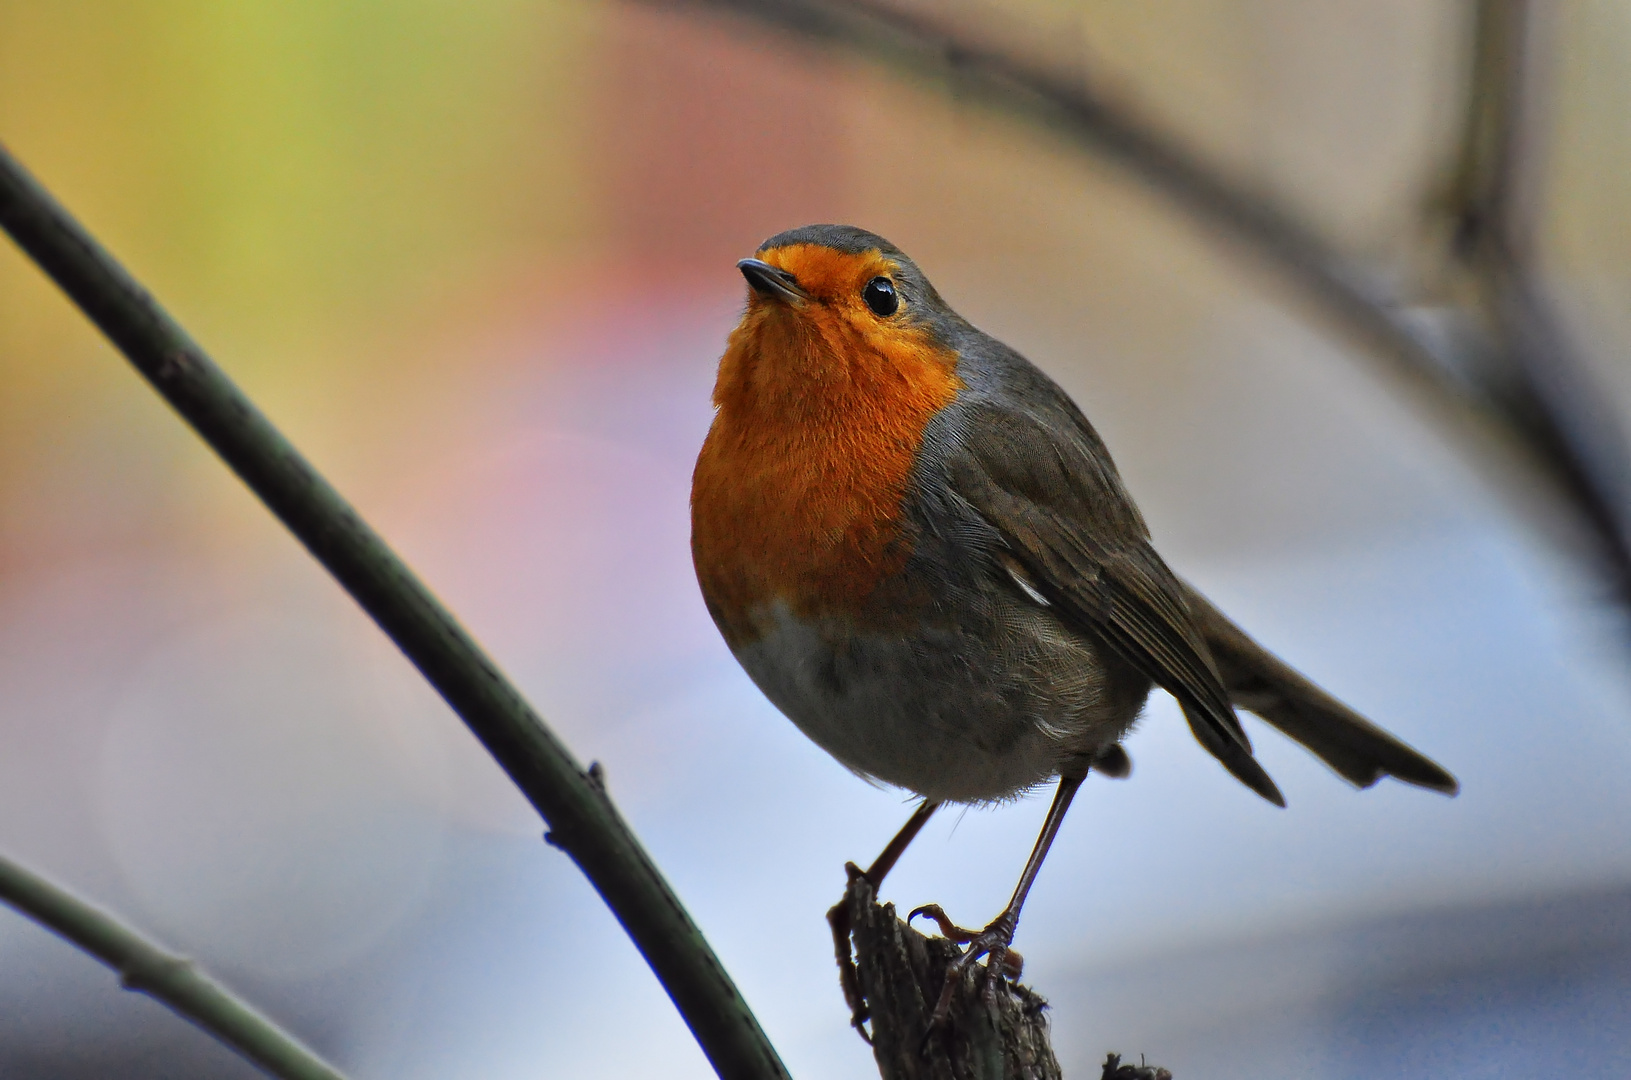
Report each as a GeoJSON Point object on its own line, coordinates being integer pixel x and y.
{"type": "Point", "coordinates": [477, 261]}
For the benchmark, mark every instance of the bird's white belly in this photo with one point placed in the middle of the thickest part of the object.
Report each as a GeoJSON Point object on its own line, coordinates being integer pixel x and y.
{"type": "Point", "coordinates": [942, 713]}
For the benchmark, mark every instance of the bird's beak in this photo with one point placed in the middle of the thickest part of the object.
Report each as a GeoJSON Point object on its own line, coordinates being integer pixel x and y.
{"type": "Point", "coordinates": [771, 283]}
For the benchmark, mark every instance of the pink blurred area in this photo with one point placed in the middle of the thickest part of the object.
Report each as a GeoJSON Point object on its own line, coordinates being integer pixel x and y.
{"type": "Point", "coordinates": [477, 261]}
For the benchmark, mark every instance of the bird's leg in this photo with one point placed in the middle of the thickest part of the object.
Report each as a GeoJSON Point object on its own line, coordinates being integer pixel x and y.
{"type": "Point", "coordinates": [993, 941]}
{"type": "Point", "coordinates": [838, 917]}
{"type": "Point", "coordinates": [892, 851]}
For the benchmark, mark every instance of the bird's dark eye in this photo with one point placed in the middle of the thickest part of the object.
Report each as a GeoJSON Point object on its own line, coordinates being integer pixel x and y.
{"type": "Point", "coordinates": [879, 295]}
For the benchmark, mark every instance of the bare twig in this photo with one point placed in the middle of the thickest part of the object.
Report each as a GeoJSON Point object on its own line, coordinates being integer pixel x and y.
{"type": "Point", "coordinates": [174, 980]}
{"type": "Point", "coordinates": [582, 820]}
{"type": "Point", "coordinates": [1513, 380]}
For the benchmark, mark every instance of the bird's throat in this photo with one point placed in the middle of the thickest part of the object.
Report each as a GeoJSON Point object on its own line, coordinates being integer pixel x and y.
{"type": "Point", "coordinates": [797, 496]}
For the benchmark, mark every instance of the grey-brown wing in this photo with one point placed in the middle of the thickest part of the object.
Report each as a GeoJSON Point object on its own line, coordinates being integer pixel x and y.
{"type": "Point", "coordinates": [1060, 510]}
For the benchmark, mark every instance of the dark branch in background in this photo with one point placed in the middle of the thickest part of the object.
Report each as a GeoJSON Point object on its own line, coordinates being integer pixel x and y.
{"type": "Point", "coordinates": [1495, 206]}
{"type": "Point", "coordinates": [173, 980]}
{"type": "Point", "coordinates": [1502, 366]}
{"type": "Point", "coordinates": [582, 820]}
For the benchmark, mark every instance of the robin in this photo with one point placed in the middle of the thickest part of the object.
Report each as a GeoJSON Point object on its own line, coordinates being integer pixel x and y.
{"type": "Point", "coordinates": [920, 551]}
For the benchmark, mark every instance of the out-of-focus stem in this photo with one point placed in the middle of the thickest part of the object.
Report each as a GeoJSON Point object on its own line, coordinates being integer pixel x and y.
{"type": "Point", "coordinates": [1495, 202]}
{"type": "Point", "coordinates": [174, 980]}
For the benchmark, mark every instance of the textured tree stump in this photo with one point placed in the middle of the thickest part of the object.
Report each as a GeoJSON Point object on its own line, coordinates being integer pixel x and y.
{"type": "Point", "coordinates": [895, 978]}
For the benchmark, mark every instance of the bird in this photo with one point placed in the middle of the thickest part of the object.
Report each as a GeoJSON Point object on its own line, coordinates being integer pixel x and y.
{"type": "Point", "coordinates": [921, 552]}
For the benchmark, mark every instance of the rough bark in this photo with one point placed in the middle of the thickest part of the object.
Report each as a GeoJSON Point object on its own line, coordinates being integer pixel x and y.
{"type": "Point", "coordinates": [894, 979]}
{"type": "Point", "coordinates": [900, 973]}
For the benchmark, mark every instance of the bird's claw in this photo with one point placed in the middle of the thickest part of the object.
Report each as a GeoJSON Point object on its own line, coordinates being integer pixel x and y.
{"type": "Point", "coordinates": [948, 929]}
{"type": "Point", "coordinates": [991, 943]}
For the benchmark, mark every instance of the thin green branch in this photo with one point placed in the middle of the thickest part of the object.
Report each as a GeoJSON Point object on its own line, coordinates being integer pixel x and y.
{"type": "Point", "coordinates": [581, 818]}
{"type": "Point", "coordinates": [173, 980]}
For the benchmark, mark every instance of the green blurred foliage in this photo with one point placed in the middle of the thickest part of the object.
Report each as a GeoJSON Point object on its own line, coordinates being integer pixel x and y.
{"type": "Point", "coordinates": [276, 171]}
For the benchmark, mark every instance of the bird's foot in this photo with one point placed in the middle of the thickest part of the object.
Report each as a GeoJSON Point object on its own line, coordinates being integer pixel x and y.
{"type": "Point", "coordinates": [1012, 964]}
{"type": "Point", "coordinates": [948, 929]}
{"type": "Point", "coordinates": [992, 943]}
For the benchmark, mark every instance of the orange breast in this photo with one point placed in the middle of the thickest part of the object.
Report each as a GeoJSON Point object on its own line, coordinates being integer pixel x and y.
{"type": "Point", "coordinates": [797, 493]}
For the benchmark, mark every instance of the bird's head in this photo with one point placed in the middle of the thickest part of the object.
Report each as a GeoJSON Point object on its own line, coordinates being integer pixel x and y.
{"type": "Point", "coordinates": [833, 309]}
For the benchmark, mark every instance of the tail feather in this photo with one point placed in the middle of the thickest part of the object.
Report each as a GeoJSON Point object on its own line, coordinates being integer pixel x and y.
{"type": "Point", "coordinates": [1258, 681]}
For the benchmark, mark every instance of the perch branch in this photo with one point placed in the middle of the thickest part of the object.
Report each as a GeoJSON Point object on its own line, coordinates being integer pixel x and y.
{"type": "Point", "coordinates": [898, 975]}
{"type": "Point", "coordinates": [173, 980]}
{"type": "Point", "coordinates": [1547, 413]}
{"type": "Point", "coordinates": [581, 818]}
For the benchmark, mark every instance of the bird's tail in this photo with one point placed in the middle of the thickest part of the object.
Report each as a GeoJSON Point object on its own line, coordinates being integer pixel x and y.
{"type": "Point", "coordinates": [1260, 682]}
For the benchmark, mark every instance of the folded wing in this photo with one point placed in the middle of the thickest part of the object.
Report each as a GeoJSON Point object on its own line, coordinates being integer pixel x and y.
{"type": "Point", "coordinates": [1040, 478]}
{"type": "Point", "coordinates": [1061, 512]}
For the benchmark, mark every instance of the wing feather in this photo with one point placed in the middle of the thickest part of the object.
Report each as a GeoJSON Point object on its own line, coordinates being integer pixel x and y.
{"type": "Point", "coordinates": [1061, 511]}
